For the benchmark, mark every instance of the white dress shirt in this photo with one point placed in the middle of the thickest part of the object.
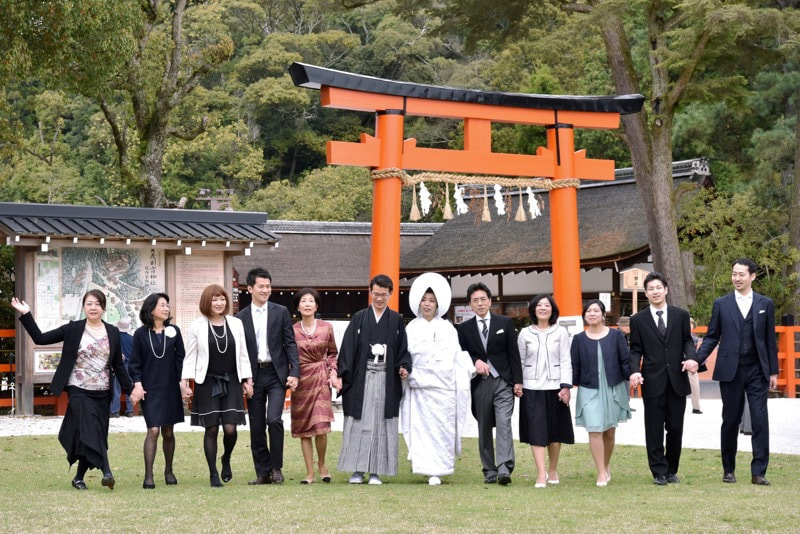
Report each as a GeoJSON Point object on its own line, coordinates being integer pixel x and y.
{"type": "Point", "coordinates": [745, 302]}
{"type": "Point", "coordinates": [260, 318]}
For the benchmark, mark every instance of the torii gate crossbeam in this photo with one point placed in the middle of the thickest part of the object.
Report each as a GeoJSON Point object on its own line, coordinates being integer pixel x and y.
{"type": "Point", "coordinates": [391, 101]}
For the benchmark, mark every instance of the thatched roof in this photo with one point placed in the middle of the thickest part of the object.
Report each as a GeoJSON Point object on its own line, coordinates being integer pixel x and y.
{"type": "Point", "coordinates": [611, 225]}
{"type": "Point", "coordinates": [325, 255]}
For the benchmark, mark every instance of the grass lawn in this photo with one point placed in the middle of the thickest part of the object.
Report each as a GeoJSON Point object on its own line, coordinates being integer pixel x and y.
{"type": "Point", "coordinates": [36, 495]}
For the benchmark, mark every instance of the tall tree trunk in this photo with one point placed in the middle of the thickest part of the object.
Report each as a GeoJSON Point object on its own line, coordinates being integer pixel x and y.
{"type": "Point", "coordinates": [794, 210]}
{"type": "Point", "coordinates": [152, 162]}
{"type": "Point", "coordinates": [651, 154]}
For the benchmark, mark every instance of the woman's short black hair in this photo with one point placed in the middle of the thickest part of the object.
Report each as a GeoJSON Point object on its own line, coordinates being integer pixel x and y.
{"type": "Point", "coordinates": [535, 302]}
{"type": "Point", "coordinates": [594, 301]}
{"type": "Point", "coordinates": [99, 295]}
{"type": "Point", "coordinates": [307, 291]}
{"type": "Point", "coordinates": [149, 304]}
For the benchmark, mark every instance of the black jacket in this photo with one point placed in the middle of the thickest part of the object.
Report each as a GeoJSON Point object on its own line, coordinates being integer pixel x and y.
{"type": "Point", "coordinates": [70, 334]}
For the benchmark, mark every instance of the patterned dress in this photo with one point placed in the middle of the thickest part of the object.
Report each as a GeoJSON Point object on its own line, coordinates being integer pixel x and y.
{"type": "Point", "coordinates": [311, 410]}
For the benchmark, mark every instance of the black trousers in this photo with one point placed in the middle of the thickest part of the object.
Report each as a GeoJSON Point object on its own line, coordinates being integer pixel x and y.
{"type": "Point", "coordinates": [265, 410]}
{"type": "Point", "coordinates": [749, 380]}
{"type": "Point", "coordinates": [664, 413]}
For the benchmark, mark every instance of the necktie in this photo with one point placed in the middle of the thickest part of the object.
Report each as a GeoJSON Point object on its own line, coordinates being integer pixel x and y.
{"type": "Point", "coordinates": [484, 330]}
{"type": "Point", "coordinates": [662, 328]}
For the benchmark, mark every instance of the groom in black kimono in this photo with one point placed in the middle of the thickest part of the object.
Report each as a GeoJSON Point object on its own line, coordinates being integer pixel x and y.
{"type": "Point", "coordinates": [373, 361]}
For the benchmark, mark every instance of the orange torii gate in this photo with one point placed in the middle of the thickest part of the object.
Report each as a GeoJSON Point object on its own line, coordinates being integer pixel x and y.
{"type": "Point", "coordinates": [391, 101]}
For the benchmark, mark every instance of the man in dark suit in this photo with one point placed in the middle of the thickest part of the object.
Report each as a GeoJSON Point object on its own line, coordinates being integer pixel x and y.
{"type": "Point", "coordinates": [273, 356]}
{"type": "Point", "coordinates": [491, 342]}
{"type": "Point", "coordinates": [743, 325]}
{"type": "Point", "coordinates": [661, 340]}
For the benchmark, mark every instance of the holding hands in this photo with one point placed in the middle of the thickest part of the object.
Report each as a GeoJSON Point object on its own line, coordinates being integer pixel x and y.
{"type": "Point", "coordinates": [138, 393]}
{"type": "Point", "coordinates": [247, 388]}
{"type": "Point", "coordinates": [291, 382]}
{"type": "Point", "coordinates": [334, 381]}
{"type": "Point", "coordinates": [636, 380]}
{"type": "Point", "coordinates": [690, 366]}
{"type": "Point", "coordinates": [186, 391]}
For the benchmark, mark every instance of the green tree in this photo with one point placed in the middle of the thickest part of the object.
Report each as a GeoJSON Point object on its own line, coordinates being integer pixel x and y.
{"type": "Point", "coordinates": [719, 228]}
{"type": "Point", "coordinates": [673, 52]}
{"type": "Point", "coordinates": [327, 194]}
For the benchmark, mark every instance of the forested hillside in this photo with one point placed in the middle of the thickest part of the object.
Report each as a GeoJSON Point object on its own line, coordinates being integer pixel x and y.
{"type": "Point", "coordinates": [142, 103]}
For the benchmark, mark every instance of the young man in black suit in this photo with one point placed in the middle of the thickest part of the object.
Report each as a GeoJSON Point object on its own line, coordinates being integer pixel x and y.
{"type": "Point", "coordinates": [491, 341]}
{"type": "Point", "coordinates": [743, 325]}
{"type": "Point", "coordinates": [273, 356]}
{"type": "Point", "coordinates": [660, 342]}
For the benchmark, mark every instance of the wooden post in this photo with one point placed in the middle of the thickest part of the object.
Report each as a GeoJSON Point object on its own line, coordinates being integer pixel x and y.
{"type": "Point", "coordinates": [385, 251]}
{"type": "Point", "coordinates": [564, 223]}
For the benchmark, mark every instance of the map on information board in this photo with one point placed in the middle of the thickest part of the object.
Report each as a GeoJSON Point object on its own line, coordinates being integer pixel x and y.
{"type": "Point", "coordinates": [125, 276]}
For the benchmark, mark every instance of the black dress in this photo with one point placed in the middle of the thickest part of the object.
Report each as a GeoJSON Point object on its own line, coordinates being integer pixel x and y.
{"type": "Point", "coordinates": [218, 400]}
{"type": "Point", "coordinates": [158, 368]}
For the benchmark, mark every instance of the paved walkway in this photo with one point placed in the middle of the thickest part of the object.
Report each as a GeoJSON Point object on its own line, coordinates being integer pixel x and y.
{"type": "Point", "coordinates": [700, 431]}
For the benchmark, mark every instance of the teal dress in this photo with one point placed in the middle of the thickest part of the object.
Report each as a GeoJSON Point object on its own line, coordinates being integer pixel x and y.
{"type": "Point", "coordinates": [597, 410]}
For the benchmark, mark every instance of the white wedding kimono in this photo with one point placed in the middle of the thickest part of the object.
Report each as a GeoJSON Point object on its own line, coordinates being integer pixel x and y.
{"type": "Point", "coordinates": [436, 396]}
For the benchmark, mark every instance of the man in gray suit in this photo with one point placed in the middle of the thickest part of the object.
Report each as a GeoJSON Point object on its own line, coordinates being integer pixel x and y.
{"type": "Point", "coordinates": [491, 341]}
{"type": "Point", "coordinates": [273, 356]}
{"type": "Point", "coordinates": [743, 325]}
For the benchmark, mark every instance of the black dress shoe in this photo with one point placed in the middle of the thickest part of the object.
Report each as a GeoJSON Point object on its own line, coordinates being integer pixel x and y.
{"type": "Point", "coordinates": [730, 478]}
{"type": "Point", "coordinates": [490, 479]}
{"type": "Point", "coordinates": [262, 479]}
{"type": "Point", "coordinates": [215, 481]}
{"type": "Point", "coordinates": [148, 485]}
{"type": "Point", "coordinates": [758, 480]}
{"type": "Point", "coordinates": [277, 476]}
{"type": "Point", "coordinates": [227, 474]}
{"type": "Point", "coordinates": [673, 479]}
{"type": "Point", "coordinates": [79, 484]}
{"type": "Point", "coordinates": [108, 481]}
{"type": "Point", "coordinates": [660, 480]}
{"type": "Point", "coordinates": [504, 479]}
{"type": "Point", "coordinates": [170, 480]}
{"type": "Point", "coordinates": [697, 411]}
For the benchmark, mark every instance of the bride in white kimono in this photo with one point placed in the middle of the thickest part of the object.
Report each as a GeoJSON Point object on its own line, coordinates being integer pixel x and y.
{"type": "Point", "coordinates": [436, 396]}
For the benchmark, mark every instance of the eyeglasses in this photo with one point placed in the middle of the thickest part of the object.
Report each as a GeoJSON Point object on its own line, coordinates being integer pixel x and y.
{"type": "Point", "coordinates": [478, 300]}
{"type": "Point", "coordinates": [380, 295]}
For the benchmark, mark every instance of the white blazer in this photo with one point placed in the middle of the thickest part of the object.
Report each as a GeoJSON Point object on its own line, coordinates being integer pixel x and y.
{"type": "Point", "coordinates": [195, 364]}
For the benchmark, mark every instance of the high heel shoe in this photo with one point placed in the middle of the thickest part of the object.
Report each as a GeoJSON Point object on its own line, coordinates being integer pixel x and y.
{"type": "Point", "coordinates": [215, 482]}
{"type": "Point", "coordinates": [326, 477]}
{"type": "Point", "coordinates": [108, 481]}
{"type": "Point", "coordinates": [227, 475]}
{"type": "Point", "coordinates": [170, 480]}
{"type": "Point", "coordinates": [148, 485]}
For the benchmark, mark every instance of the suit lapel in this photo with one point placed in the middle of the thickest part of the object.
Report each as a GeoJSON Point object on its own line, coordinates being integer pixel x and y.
{"type": "Point", "coordinates": [647, 316]}
{"type": "Point", "coordinates": [671, 318]}
{"type": "Point", "coordinates": [733, 308]}
{"type": "Point", "coordinates": [472, 331]}
{"type": "Point", "coordinates": [754, 310]}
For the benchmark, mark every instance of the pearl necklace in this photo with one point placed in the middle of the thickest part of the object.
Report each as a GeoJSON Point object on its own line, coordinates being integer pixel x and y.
{"type": "Point", "coordinates": [306, 332]}
{"type": "Point", "coordinates": [223, 336]}
{"type": "Point", "coordinates": [163, 349]}
{"type": "Point", "coordinates": [96, 332]}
